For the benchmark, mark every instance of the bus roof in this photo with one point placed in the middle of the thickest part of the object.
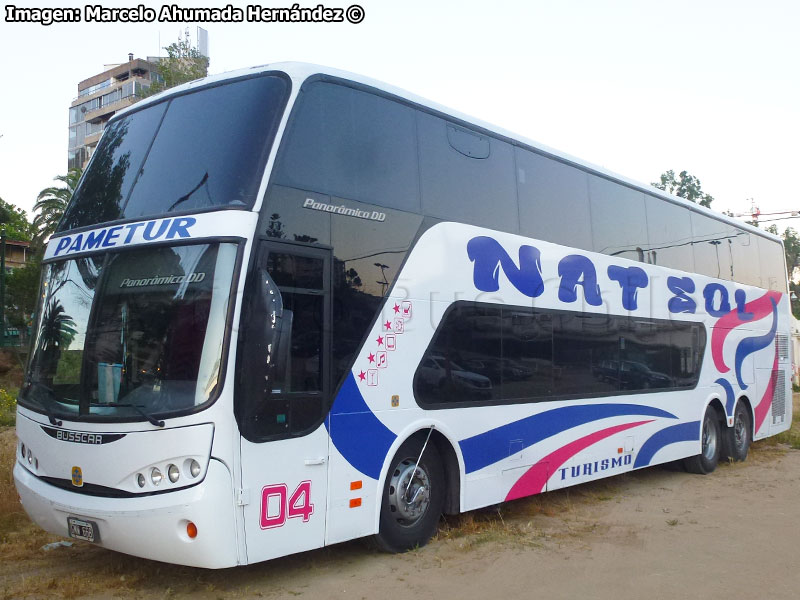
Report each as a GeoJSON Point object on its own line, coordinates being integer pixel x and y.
{"type": "Point", "coordinates": [299, 72]}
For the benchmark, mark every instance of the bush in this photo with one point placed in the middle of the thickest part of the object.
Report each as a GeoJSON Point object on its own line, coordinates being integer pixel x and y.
{"type": "Point", "coordinates": [8, 408]}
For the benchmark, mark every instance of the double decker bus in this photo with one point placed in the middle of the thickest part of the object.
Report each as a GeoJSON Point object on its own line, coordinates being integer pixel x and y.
{"type": "Point", "coordinates": [288, 307]}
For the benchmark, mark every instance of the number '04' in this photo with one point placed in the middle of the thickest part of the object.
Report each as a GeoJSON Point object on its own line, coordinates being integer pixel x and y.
{"type": "Point", "coordinates": [276, 508]}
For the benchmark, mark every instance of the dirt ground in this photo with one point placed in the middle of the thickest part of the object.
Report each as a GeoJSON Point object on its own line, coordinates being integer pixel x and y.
{"type": "Point", "coordinates": [656, 533]}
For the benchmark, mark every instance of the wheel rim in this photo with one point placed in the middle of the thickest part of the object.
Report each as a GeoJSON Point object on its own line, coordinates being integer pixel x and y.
{"type": "Point", "coordinates": [709, 439]}
{"type": "Point", "coordinates": [409, 492]}
{"type": "Point", "coordinates": [740, 433]}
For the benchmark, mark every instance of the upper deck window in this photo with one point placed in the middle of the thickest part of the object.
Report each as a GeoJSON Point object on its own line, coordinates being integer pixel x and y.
{"type": "Point", "coordinates": [196, 151]}
{"type": "Point", "coordinates": [351, 144]}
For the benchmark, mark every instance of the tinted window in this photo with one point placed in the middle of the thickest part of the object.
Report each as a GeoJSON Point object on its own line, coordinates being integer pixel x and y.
{"type": "Point", "coordinates": [351, 144]}
{"type": "Point", "coordinates": [669, 231]}
{"type": "Point", "coordinates": [293, 271]}
{"type": "Point", "coordinates": [465, 358]}
{"type": "Point", "coordinates": [527, 353]}
{"type": "Point", "coordinates": [108, 180]}
{"type": "Point", "coordinates": [367, 256]}
{"type": "Point", "coordinates": [459, 187]}
{"type": "Point", "coordinates": [619, 223]}
{"type": "Point", "coordinates": [687, 342]}
{"type": "Point", "coordinates": [745, 257]}
{"type": "Point", "coordinates": [773, 272]}
{"type": "Point", "coordinates": [553, 201]}
{"type": "Point", "coordinates": [488, 352]}
{"type": "Point", "coordinates": [209, 150]}
{"type": "Point", "coordinates": [585, 353]}
{"type": "Point", "coordinates": [712, 245]}
{"type": "Point", "coordinates": [645, 355]}
{"type": "Point", "coordinates": [284, 217]}
{"type": "Point", "coordinates": [285, 370]}
{"type": "Point", "coordinates": [367, 259]}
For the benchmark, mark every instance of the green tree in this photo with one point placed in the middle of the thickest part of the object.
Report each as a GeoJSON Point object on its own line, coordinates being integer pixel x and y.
{"type": "Point", "coordinates": [685, 185]}
{"type": "Point", "coordinates": [183, 63]}
{"type": "Point", "coordinates": [51, 203]}
{"type": "Point", "coordinates": [15, 222]}
{"type": "Point", "coordinates": [22, 293]}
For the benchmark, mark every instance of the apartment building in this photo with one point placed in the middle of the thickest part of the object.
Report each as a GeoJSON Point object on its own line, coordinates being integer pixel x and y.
{"type": "Point", "coordinates": [99, 97]}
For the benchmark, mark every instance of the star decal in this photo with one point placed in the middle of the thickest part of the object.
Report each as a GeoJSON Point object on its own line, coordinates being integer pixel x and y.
{"type": "Point", "coordinates": [396, 308]}
{"type": "Point", "coordinates": [388, 325]}
{"type": "Point", "coordinates": [371, 357]}
{"type": "Point", "coordinates": [380, 340]}
{"type": "Point", "coordinates": [362, 376]}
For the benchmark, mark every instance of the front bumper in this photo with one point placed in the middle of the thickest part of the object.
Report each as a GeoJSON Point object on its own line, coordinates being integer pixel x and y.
{"type": "Point", "coordinates": [151, 527]}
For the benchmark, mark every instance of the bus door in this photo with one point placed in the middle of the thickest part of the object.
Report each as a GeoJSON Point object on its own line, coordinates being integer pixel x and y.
{"type": "Point", "coordinates": [284, 459]}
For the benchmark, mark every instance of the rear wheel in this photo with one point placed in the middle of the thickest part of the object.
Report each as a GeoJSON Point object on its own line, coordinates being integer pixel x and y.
{"type": "Point", "coordinates": [710, 438]}
{"type": "Point", "coordinates": [413, 497]}
{"type": "Point", "coordinates": [739, 436]}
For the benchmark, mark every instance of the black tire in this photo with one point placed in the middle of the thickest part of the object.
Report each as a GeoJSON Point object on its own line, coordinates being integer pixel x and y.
{"type": "Point", "coordinates": [739, 437]}
{"type": "Point", "coordinates": [711, 442]}
{"type": "Point", "coordinates": [405, 525]}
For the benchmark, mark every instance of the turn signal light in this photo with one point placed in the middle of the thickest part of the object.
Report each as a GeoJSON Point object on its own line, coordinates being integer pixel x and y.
{"type": "Point", "coordinates": [191, 530]}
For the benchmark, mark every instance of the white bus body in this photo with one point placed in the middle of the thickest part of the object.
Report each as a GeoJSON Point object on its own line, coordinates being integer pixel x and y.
{"type": "Point", "coordinates": [391, 312]}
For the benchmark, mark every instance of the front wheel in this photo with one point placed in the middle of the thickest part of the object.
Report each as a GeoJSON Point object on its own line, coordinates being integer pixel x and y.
{"type": "Point", "coordinates": [413, 497]}
{"type": "Point", "coordinates": [707, 460]}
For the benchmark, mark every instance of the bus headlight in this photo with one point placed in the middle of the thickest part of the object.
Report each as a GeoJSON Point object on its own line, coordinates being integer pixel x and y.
{"type": "Point", "coordinates": [173, 473]}
{"type": "Point", "coordinates": [156, 476]}
{"type": "Point", "coordinates": [194, 468]}
{"type": "Point", "coordinates": [140, 480]}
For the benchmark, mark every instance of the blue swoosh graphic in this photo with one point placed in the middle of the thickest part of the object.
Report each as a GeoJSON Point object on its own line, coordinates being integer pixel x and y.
{"type": "Point", "coordinates": [754, 344]}
{"type": "Point", "coordinates": [492, 446]}
{"type": "Point", "coordinates": [356, 432]}
{"type": "Point", "coordinates": [683, 432]}
{"type": "Point", "coordinates": [728, 394]}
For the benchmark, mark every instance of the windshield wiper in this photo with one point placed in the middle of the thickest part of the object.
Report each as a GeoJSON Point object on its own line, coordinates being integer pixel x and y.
{"type": "Point", "coordinates": [51, 394]}
{"type": "Point", "coordinates": [138, 409]}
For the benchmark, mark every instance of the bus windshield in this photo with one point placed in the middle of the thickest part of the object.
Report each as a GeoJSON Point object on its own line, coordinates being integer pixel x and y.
{"type": "Point", "coordinates": [131, 334]}
{"type": "Point", "coordinates": [191, 152]}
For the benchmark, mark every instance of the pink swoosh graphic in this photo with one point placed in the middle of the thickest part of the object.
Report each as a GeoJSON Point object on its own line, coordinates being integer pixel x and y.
{"type": "Point", "coordinates": [766, 402]}
{"type": "Point", "coordinates": [760, 307]}
{"type": "Point", "coordinates": [535, 478]}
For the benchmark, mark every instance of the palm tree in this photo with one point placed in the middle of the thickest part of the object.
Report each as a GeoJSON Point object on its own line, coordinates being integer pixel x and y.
{"type": "Point", "coordinates": [58, 331]}
{"type": "Point", "coordinates": [52, 202]}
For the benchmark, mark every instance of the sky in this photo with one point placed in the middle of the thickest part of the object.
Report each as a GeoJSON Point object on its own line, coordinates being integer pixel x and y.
{"type": "Point", "coordinates": [635, 86]}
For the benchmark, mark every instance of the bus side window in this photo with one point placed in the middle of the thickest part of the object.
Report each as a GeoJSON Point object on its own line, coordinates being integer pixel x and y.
{"type": "Point", "coordinates": [491, 353]}
{"type": "Point", "coordinates": [466, 176]}
{"type": "Point", "coordinates": [619, 223]}
{"type": "Point", "coordinates": [669, 230]}
{"type": "Point", "coordinates": [771, 256]}
{"type": "Point", "coordinates": [553, 201]}
{"type": "Point", "coordinates": [353, 145]}
{"type": "Point", "coordinates": [712, 245]}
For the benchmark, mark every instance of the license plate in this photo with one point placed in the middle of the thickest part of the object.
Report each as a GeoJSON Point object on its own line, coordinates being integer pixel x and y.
{"type": "Point", "coordinates": [83, 530]}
